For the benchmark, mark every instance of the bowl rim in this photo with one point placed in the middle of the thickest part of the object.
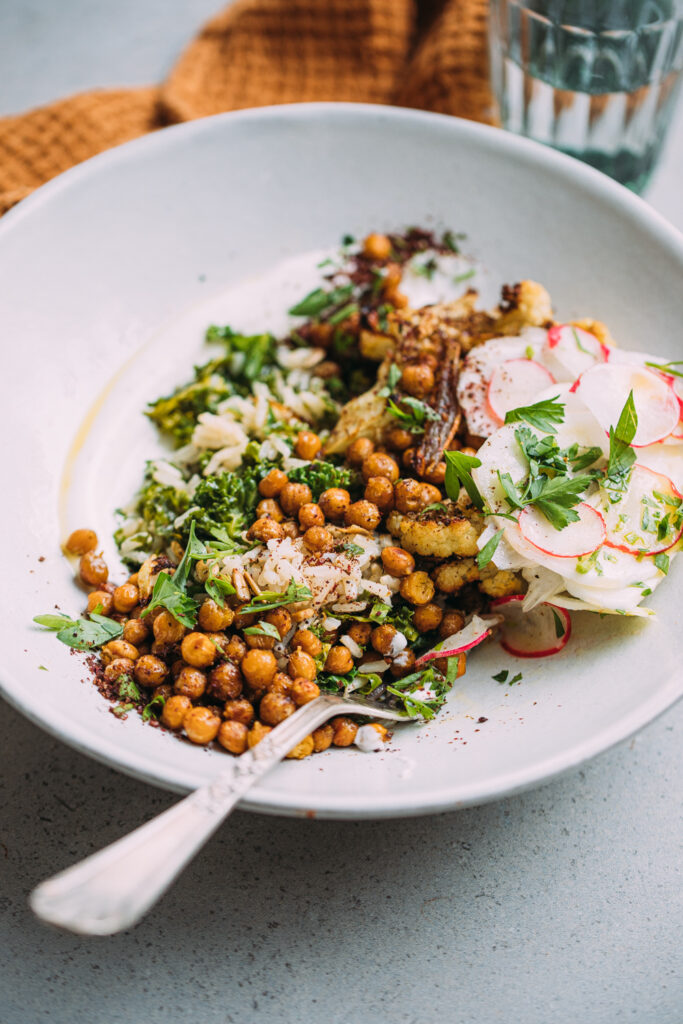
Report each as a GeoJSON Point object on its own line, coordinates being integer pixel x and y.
{"type": "Point", "coordinates": [453, 795]}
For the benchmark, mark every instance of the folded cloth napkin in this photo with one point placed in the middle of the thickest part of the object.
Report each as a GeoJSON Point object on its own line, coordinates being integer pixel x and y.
{"type": "Point", "coordinates": [429, 54]}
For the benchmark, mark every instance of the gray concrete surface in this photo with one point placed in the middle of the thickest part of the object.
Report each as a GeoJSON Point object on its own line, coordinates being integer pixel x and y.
{"type": "Point", "coordinates": [559, 906]}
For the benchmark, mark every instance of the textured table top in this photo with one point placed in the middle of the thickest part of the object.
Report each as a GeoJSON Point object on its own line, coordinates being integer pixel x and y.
{"type": "Point", "coordinates": [561, 905]}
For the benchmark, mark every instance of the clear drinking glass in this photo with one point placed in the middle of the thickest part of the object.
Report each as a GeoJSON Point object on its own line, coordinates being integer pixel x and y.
{"type": "Point", "coordinates": [597, 79]}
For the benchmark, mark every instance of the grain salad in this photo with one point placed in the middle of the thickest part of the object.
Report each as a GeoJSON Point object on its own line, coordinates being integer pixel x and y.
{"type": "Point", "coordinates": [357, 504]}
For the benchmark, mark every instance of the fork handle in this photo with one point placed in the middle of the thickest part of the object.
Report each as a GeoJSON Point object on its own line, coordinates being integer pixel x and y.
{"type": "Point", "coordinates": [111, 890]}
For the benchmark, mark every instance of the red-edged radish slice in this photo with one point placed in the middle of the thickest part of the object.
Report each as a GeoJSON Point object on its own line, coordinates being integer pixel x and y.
{"type": "Point", "coordinates": [514, 383]}
{"type": "Point", "coordinates": [575, 349]}
{"type": "Point", "coordinates": [605, 388]}
{"type": "Point", "coordinates": [573, 541]}
{"type": "Point", "coordinates": [543, 631]}
{"type": "Point", "coordinates": [633, 521]}
{"type": "Point", "coordinates": [465, 639]}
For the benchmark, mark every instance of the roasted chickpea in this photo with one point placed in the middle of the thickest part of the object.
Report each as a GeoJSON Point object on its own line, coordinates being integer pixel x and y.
{"type": "Point", "coordinates": [339, 660]}
{"type": "Point", "coordinates": [275, 707]}
{"type": "Point", "coordinates": [311, 515]}
{"type": "Point", "coordinates": [258, 669]}
{"type": "Point", "coordinates": [317, 538]}
{"type": "Point", "coordinates": [235, 649]}
{"type": "Point", "coordinates": [150, 671]}
{"type": "Point", "coordinates": [174, 711]}
{"type": "Point", "coordinates": [380, 492]}
{"type": "Point", "coordinates": [306, 640]}
{"type": "Point", "coordinates": [266, 529]}
{"type": "Point", "coordinates": [408, 458]}
{"type": "Point", "coordinates": [233, 736]}
{"type": "Point", "coordinates": [197, 650]}
{"type": "Point", "coordinates": [468, 450]}
{"type": "Point", "coordinates": [303, 691]}
{"type": "Point", "coordinates": [119, 649]}
{"type": "Point", "coordinates": [101, 598]}
{"type": "Point", "coordinates": [334, 502]}
{"type": "Point", "coordinates": [135, 632]}
{"type": "Point", "coordinates": [293, 496]}
{"type": "Point", "coordinates": [377, 247]}
{"type": "Point", "coordinates": [380, 464]}
{"type": "Point", "coordinates": [118, 667]}
{"type": "Point", "coordinates": [243, 619]}
{"type": "Point", "coordinates": [272, 483]}
{"type": "Point", "coordinates": [392, 278]}
{"type": "Point", "coordinates": [256, 734]}
{"type": "Point", "coordinates": [364, 514]}
{"type": "Point", "coordinates": [402, 664]}
{"type": "Point", "coordinates": [436, 475]}
{"type": "Point", "coordinates": [191, 682]}
{"type": "Point", "coordinates": [167, 629]}
{"type": "Point", "coordinates": [327, 369]}
{"type": "Point", "coordinates": [303, 749]}
{"type": "Point", "coordinates": [397, 562]}
{"type": "Point", "coordinates": [239, 711]}
{"type": "Point", "coordinates": [430, 494]}
{"type": "Point", "coordinates": [281, 619]}
{"type": "Point", "coordinates": [212, 617]}
{"type": "Point", "coordinates": [290, 528]}
{"type": "Point", "coordinates": [307, 445]}
{"type": "Point", "coordinates": [417, 588]}
{"type": "Point", "coordinates": [382, 638]}
{"type": "Point", "coordinates": [282, 683]}
{"type": "Point", "coordinates": [270, 507]}
{"type": "Point", "coordinates": [81, 541]}
{"type": "Point", "coordinates": [225, 682]}
{"type": "Point", "coordinates": [427, 617]}
{"type": "Point", "coordinates": [344, 730]}
{"type": "Point", "coordinates": [301, 664]}
{"type": "Point", "coordinates": [164, 691]}
{"type": "Point", "coordinates": [360, 632]}
{"type": "Point", "coordinates": [93, 569]}
{"type": "Point", "coordinates": [322, 738]}
{"type": "Point", "coordinates": [400, 439]}
{"type": "Point", "coordinates": [126, 597]}
{"type": "Point", "coordinates": [358, 451]}
{"type": "Point", "coordinates": [259, 641]}
{"type": "Point", "coordinates": [417, 380]}
{"type": "Point", "coordinates": [407, 496]}
{"type": "Point", "coordinates": [201, 725]}
{"type": "Point", "coordinates": [452, 622]}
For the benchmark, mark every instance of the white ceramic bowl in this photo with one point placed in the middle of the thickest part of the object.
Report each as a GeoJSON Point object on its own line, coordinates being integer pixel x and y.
{"type": "Point", "coordinates": [95, 262]}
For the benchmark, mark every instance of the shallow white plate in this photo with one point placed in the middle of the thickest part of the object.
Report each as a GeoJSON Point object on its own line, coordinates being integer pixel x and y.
{"type": "Point", "coordinates": [97, 269]}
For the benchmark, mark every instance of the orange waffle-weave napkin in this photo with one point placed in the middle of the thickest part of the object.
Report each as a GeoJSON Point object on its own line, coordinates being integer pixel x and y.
{"type": "Point", "coordinates": [414, 53]}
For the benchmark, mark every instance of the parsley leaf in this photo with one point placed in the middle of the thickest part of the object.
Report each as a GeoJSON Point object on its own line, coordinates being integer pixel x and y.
{"type": "Point", "coordinates": [542, 415]}
{"type": "Point", "coordinates": [218, 589]}
{"type": "Point", "coordinates": [662, 563]}
{"type": "Point", "coordinates": [559, 625]}
{"type": "Point", "coordinates": [621, 455]}
{"type": "Point", "coordinates": [128, 690]}
{"type": "Point", "coordinates": [501, 677]}
{"type": "Point", "coordinates": [82, 634]}
{"type": "Point", "coordinates": [352, 549]}
{"type": "Point", "coordinates": [154, 708]}
{"type": "Point", "coordinates": [489, 549]}
{"type": "Point", "coordinates": [263, 629]}
{"type": "Point", "coordinates": [414, 419]}
{"type": "Point", "coordinates": [270, 599]}
{"type": "Point", "coordinates": [458, 474]}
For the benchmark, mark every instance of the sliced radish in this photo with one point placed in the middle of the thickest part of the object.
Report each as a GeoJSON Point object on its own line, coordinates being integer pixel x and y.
{"type": "Point", "coordinates": [477, 370]}
{"type": "Point", "coordinates": [476, 630]}
{"type": "Point", "coordinates": [500, 453]}
{"type": "Point", "coordinates": [573, 541]}
{"type": "Point", "coordinates": [514, 383]}
{"type": "Point", "coordinates": [575, 349]}
{"type": "Point", "coordinates": [605, 388]}
{"type": "Point", "coordinates": [532, 634]}
{"type": "Point", "coordinates": [633, 521]}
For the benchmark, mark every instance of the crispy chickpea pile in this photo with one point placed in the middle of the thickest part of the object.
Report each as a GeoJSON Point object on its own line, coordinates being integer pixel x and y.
{"type": "Point", "coordinates": [226, 682]}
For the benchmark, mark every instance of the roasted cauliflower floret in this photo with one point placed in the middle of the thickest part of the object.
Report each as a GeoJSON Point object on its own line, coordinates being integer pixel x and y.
{"type": "Point", "coordinates": [453, 576]}
{"type": "Point", "coordinates": [524, 304]}
{"type": "Point", "coordinates": [437, 534]}
{"type": "Point", "coordinates": [499, 582]}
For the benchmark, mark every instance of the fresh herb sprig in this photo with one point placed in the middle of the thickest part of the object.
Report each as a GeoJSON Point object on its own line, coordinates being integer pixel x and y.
{"type": "Point", "coordinates": [81, 634]}
{"type": "Point", "coordinates": [545, 415]}
{"type": "Point", "coordinates": [412, 413]}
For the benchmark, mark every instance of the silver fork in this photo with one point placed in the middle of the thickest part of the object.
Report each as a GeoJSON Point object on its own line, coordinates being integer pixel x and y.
{"type": "Point", "coordinates": [111, 890]}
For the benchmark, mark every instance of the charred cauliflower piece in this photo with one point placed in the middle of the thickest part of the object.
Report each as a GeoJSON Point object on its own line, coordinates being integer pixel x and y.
{"type": "Point", "coordinates": [451, 577]}
{"type": "Point", "coordinates": [437, 534]}
{"type": "Point", "coordinates": [526, 304]}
